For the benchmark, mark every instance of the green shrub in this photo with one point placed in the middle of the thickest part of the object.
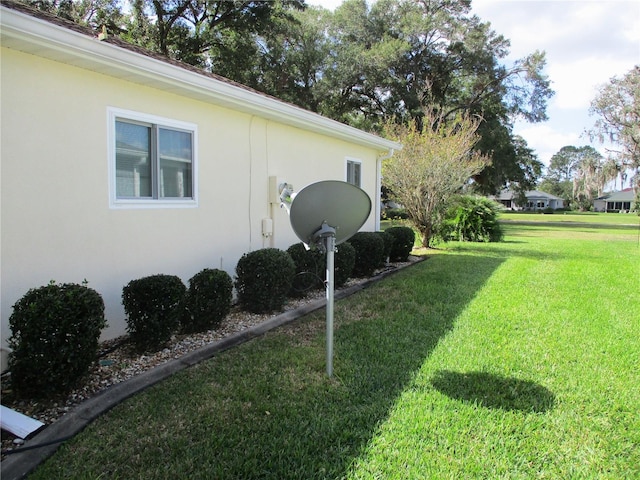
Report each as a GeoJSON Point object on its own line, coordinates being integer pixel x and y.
{"type": "Point", "coordinates": [472, 219]}
{"type": "Point", "coordinates": [207, 301]}
{"type": "Point", "coordinates": [369, 248]}
{"type": "Point", "coordinates": [310, 269]}
{"type": "Point", "coordinates": [264, 279]}
{"type": "Point", "coordinates": [403, 240]}
{"type": "Point", "coordinates": [395, 214]}
{"type": "Point", "coordinates": [153, 306]}
{"type": "Point", "coordinates": [388, 240]}
{"type": "Point", "coordinates": [55, 332]}
{"type": "Point", "coordinates": [343, 261]}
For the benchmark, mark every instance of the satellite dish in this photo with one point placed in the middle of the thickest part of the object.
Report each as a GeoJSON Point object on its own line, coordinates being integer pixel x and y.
{"type": "Point", "coordinates": [328, 213]}
{"type": "Point", "coordinates": [340, 205]}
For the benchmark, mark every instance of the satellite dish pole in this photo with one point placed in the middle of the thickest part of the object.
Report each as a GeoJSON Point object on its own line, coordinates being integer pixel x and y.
{"type": "Point", "coordinates": [326, 214]}
{"type": "Point", "coordinates": [326, 238]}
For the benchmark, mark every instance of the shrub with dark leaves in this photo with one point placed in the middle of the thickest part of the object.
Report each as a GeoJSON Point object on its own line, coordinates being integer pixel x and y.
{"type": "Point", "coordinates": [369, 248]}
{"type": "Point", "coordinates": [153, 306]}
{"type": "Point", "coordinates": [208, 300]}
{"type": "Point", "coordinates": [403, 240]}
{"type": "Point", "coordinates": [55, 332]}
{"type": "Point", "coordinates": [263, 279]}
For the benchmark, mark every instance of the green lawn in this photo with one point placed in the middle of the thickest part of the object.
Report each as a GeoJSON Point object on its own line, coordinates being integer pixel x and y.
{"type": "Point", "coordinates": [510, 360]}
{"type": "Point", "coordinates": [625, 219]}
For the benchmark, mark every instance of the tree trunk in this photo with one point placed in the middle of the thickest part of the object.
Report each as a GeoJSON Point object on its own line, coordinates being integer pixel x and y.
{"type": "Point", "coordinates": [426, 234]}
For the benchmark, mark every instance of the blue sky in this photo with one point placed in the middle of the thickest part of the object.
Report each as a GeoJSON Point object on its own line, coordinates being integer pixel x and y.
{"type": "Point", "coordinates": [587, 42]}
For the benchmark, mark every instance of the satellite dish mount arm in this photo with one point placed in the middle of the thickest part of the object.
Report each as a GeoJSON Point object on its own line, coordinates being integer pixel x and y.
{"type": "Point", "coordinates": [321, 236]}
{"type": "Point", "coordinates": [325, 238]}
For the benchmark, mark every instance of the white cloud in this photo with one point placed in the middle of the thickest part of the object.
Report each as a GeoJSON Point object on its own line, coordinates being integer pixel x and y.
{"type": "Point", "coordinates": [546, 141]}
{"type": "Point", "coordinates": [586, 43]}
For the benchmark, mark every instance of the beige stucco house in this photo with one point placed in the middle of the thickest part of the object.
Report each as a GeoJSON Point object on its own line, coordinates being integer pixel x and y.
{"type": "Point", "coordinates": [117, 164]}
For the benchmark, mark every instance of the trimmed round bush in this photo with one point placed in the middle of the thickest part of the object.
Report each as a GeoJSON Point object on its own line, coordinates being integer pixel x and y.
{"type": "Point", "coordinates": [369, 248]}
{"type": "Point", "coordinates": [310, 269]}
{"type": "Point", "coordinates": [403, 240]}
{"type": "Point", "coordinates": [153, 306]}
{"type": "Point", "coordinates": [263, 279]}
{"type": "Point", "coordinates": [343, 261]}
{"type": "Point", "coordinates": [55, 332]}
{"type": "Point", "coordinates": [388, 245]}
{"type": "Point", "coordinates": [207, 301]}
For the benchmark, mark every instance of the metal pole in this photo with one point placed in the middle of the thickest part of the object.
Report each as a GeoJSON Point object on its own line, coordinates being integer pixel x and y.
{"type": "Point", "coordinates": [331, 246]}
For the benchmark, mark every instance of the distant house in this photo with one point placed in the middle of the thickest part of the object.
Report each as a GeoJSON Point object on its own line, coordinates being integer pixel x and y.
{"type": "Point", "coordinates": [622, 201]}
{"type": "Point", "coordinates": [536, 200]}
{"type": "Point", "coordinates": [118, 163]}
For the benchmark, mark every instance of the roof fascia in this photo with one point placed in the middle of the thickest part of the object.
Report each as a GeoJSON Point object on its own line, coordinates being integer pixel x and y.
{"type": "Point", "coordinates": [39, 37]}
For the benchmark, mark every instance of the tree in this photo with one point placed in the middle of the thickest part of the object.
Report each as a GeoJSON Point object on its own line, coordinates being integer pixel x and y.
{"type": "Point", "coordinates": [398, 57]}
{"type": "Point", "coordinates": [588, 178]}
{"type": "Point", "coordinates": [565, 162]}
{"type": "Point", "coordinates": [618, 106]}
{"type": "Point", "coordinates": [436, 161]}
{"type": "Point", "coordinates": [93, 13]}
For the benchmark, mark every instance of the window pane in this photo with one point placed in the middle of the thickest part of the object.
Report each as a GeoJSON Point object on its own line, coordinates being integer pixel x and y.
{"type": "Point", "coordinates": [133, 168]}
{"type": "Point", "coordinates": [353, 173]}
{"type": "Point", "coordinates": [356, 174]}
{"type": "Point", "coordinates": [176, 150]}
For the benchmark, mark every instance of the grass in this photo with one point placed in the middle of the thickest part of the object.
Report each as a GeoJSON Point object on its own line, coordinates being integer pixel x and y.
{"type": "Point", "coordinates": [510, 360]}
{"type": "Point", "coordinates": [623, 219]}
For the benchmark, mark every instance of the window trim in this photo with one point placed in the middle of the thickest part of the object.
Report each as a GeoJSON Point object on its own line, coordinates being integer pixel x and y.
{"type": "Point", "coordinates": [114, 114]}
{"type": "Point", "coordinates": [355, 161]}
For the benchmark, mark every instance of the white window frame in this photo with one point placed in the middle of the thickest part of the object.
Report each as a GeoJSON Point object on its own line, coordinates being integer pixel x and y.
{"type": "Point", "coordinates": [352, 161]}
{"type": "Point", "coordinates": [114, 114]}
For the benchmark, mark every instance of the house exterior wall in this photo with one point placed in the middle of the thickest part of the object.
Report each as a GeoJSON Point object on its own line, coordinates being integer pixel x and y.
{"type": "Point", "coordinates": [56, 219]}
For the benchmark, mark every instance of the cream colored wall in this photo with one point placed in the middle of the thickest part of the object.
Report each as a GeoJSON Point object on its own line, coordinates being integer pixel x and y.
{"type": "Point", "coordinates": [56, 221]}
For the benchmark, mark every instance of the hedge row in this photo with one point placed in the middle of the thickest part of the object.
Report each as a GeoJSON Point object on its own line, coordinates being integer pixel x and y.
{"type": "Point", "coordinates": [56, 328]}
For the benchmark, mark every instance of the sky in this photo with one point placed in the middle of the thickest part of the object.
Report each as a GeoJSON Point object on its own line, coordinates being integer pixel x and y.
{"type": "Point", "coordinates": [587, 42]}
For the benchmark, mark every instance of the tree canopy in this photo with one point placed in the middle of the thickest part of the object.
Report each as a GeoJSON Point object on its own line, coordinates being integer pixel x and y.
{"type": "Point", "coordinates": [617, 106]}
{"type": "Point", "coordinates": [361, 64]}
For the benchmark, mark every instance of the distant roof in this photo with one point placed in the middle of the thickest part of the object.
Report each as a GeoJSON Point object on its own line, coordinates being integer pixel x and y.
{"type": "Point", "coordinates": [32, 31]}
{"type": "Point", "coordinates": [531, 194]}
{"type": "Point", "coordinates": [625, 195]}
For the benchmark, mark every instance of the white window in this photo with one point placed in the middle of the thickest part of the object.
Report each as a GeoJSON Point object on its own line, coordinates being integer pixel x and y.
{"type": "Point", "coordinates": [152, 161]}
{"type": "Point", "coordinates": [354, 172]}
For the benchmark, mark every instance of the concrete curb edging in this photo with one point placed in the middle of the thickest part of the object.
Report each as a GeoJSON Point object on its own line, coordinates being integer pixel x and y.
{"type": "Point", "coordinates": [45, 443]}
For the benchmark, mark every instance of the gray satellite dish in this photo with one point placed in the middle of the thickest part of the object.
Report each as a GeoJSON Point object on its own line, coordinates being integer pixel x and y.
{"type": "Point", "coordinates": [326, 214]}
{"type": "Point", "coordinates": [340, 205]}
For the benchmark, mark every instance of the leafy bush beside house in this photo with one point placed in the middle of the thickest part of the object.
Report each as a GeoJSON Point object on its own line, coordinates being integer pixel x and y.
{"type": "Point", "coordinates": [403, 241]}
{"type": "Point", "coordinates": [263, 279]}
{"type": "Point", "coordinates": [344, 260]}
{"type": "Point", "coordinates": [369, 248]}
{"type": "Point", "coordinates": [207, 301]}
{"type": "Point", "coordinates": [388, 240]}
{"type": "Point", "coordinates": [55, 332]}
{"type": "Point", "coordinates": [153, 306]}
{"type": "Point", "coordinates": [310, 269]}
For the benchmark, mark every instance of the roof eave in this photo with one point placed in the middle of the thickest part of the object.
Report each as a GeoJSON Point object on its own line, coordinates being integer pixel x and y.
{"type": "Point", "coordinates": [39, 37]}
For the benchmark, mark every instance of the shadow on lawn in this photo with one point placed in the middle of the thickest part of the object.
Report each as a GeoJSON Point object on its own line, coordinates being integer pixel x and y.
{"type": "Point", "coordinates": [494, 391]}
{"type": "Point", "coordinates": [252, 414]}
{"type": "Point", "coordinates": [318, 426]}
{"type": "Point", "coordinates": [401, 321]}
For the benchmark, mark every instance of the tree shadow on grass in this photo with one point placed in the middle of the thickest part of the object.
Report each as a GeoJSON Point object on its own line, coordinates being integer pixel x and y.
{"type": "Point", "coordinates": [494, 391]}
{"type": "Point", "coordinates": [266, 409]}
